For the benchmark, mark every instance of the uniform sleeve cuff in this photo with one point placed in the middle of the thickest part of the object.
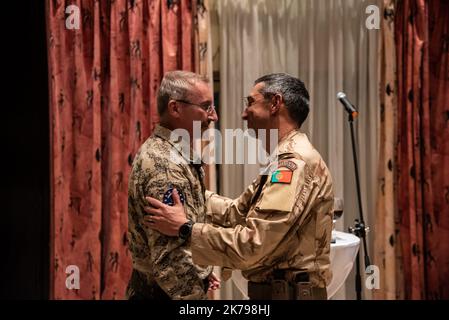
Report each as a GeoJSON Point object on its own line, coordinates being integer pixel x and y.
{"type": "Point", "coordinates": [198, 244]}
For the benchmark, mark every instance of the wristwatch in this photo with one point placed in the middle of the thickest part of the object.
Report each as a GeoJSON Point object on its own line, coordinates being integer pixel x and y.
{"type": "Point", "coordinates": [186, 230]}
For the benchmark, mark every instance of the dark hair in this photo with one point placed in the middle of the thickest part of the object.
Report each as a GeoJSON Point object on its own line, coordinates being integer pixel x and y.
{"type": "Point", "coordinates": [176, 85]}
{"type": "Point", "coordinates": [293, 91]}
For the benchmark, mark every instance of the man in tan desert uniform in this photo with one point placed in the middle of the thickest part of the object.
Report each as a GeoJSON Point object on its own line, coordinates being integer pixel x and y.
{"type": "Point", "coordinates": [162, 266]}
{"type": "Point", "coordinates": [278, 231]}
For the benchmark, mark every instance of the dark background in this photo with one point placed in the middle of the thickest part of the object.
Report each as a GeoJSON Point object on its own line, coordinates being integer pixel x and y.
{"type": "Point", "coordinates": [25, 204]}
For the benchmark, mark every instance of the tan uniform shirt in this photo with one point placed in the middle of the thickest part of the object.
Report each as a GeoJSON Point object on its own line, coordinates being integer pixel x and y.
{"type": "Point", "coordinates": [160, 165]}
{"type": "Point", "coordinates": [286, 226]}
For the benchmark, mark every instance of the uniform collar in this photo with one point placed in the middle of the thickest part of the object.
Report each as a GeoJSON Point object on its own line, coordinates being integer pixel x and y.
{"type": "Point", "coordinates": [283, 148]}
{"type": "Point", "coordinates": [175, 140]}
{"type": "Point", "coordinates": [285, 145]}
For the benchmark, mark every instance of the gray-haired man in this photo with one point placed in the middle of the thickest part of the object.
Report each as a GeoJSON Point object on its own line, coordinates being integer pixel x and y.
{"type": "Point", "coordinates": [162, 266]}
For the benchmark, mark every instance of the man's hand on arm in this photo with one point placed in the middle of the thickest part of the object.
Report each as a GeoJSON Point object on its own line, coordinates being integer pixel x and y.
{"type": "Point", "coordinates": [214, 282]}
{"type": "Point", "coordinates": [163, 218]}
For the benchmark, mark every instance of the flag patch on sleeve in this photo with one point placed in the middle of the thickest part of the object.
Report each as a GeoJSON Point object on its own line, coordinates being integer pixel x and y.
{"type": "Point", "coordinates": [282, 176]}
{"type": "Point", "coordinates": [168, 197]}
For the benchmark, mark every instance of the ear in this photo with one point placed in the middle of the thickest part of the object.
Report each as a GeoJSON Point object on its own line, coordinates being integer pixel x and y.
{"type": "Point", "coordinates": [173, 109]}
{"type": "Point", "coordinates": [276, 103]}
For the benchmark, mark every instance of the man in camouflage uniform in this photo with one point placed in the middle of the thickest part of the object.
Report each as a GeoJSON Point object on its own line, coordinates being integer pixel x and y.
{"type": "Point", "coordinates": [278, 231]}
{"type": "Point", "coordinates": [162, 266]}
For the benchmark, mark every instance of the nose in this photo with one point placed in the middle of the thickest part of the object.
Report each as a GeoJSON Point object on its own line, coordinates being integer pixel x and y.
{"type": "Point", "coordinates": [213, 116]}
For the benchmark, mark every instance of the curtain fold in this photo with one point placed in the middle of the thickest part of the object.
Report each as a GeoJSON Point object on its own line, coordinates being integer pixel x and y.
{"type": "Point", "coordinates": [103, 83]}
{"type": "Point", "coordinates": [387, 254]}
{"type": "Point", "coordinates": [422, 33]}
{"type": "Point", "coordinates": [203, 65]}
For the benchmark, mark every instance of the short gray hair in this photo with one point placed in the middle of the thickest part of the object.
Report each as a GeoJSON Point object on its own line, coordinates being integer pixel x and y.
{"type": "Point", "coordinates": [176, 85]}
{"type": "Point", "coordinates": [293, 91]}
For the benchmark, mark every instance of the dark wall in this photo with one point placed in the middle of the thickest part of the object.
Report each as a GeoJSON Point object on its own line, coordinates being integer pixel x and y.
{"type": "Point", "coordinates": [25, 154]}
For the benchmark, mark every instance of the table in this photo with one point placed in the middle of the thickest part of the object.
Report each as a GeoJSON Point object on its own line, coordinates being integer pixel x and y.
{"type": "Point", "coordinates": [342, 256]}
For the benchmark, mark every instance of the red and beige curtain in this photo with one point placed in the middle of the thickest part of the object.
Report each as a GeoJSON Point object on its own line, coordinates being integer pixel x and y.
{"type": "Point", "coordinates": [103, 79]}
{"type": "Point", "coordinates": [412, 222]}
{"type": "Point", "coordinates": [422, 43]}
{"type": "Point", "coordinates": [387, 253]}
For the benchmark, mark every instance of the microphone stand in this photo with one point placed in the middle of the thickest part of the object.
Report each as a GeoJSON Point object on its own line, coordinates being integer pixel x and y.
{"type": "Point", "coordinates": [359, 229]}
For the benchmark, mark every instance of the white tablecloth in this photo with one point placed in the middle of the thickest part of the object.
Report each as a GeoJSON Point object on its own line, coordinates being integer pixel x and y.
{"type": "Point", "coordinates": [343, 254]}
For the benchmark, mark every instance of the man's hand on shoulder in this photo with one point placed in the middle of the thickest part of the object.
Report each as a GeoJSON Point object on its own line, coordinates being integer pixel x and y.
{"type": "Point", "coordinates": [164, 218]}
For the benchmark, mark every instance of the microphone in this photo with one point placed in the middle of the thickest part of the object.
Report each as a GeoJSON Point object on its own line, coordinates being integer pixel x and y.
{"type": "Point", "coordinates": [348, 105]}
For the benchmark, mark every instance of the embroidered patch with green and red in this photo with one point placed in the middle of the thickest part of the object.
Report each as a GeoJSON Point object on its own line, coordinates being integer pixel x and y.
{"type": "Point", "coordinates": [282, 176]}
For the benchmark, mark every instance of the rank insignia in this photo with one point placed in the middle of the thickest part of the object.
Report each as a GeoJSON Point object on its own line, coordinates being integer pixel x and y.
{"type": "Point", "coordinates": [282, 176]}
{"type": "Point", "coordinates": [287, 164]}
{"type": "Point", "coordinates": [168, 197]}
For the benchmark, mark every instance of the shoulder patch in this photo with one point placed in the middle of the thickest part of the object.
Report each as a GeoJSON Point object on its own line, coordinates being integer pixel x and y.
{"type": "Point", "coordinates": [287, 164]}
{"type": "Point", "coordinates": [168, 196]}
{"type": "Point", "coordinates": [282, 176]}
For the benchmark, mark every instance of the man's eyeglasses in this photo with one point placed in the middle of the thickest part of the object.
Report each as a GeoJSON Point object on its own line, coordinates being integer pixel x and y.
{"type": "Point", "coordinates": [208, 108]}
{"type": "Point", "coordinates": [248, 101]}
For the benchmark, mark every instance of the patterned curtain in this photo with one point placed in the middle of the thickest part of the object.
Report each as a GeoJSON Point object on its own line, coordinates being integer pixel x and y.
{"type": "Point", "coordinates": [387, 249]}
{"type": "Point", "coordinates": [203, 65]}
{"type": "Point", "coordinates": [103, 81]}
{"type": "Point", "coordinates": [422, 44]}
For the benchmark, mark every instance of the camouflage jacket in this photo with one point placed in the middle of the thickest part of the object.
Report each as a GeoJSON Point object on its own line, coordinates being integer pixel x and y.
{"type": "Point", "coordinates": [285, 225]}
{"type": "Point", "coordinates": [160, 165]}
